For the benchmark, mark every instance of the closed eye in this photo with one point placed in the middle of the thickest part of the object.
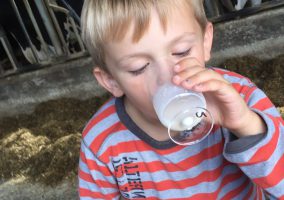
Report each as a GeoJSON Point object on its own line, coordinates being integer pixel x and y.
{"type": "Point", "coordinates": [182, 54]}
{"type": "Point", "coordinates": [140, 70]}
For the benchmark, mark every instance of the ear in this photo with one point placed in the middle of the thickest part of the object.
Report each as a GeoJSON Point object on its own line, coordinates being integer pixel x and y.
{"type": "Point", "coordinates": [208, 40]}
{"type": "Point", "coordinates": [107, 81]}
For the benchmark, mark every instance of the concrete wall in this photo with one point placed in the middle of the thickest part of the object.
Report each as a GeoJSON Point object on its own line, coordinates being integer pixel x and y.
{"type": "Point", "coordinates": [261, 35]}
{"type": "Point", "coordinates": [21, 93]}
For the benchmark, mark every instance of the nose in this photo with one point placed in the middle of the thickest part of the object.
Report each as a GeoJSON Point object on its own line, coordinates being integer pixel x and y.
{"type": "Point", "coordinates": [164, 70]}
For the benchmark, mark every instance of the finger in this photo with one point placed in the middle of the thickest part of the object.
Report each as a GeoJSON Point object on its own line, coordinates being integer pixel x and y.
{"type": "Point", "coordinates": [185, 74]}
{"type": "Point", "coordinates": [186, 68]}
{"type": "Point", "coordinates": [186, 64]}
{"type": "Point", "coordinates": [203, 76]}
{"type": "Point", "coordinates": [212, 85]}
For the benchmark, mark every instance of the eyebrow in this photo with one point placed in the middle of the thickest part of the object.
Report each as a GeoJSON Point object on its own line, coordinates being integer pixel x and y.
{"type": "Point", "coordinates": [184, 36]}
{"type": "Point", "coordinates": [142, 54]}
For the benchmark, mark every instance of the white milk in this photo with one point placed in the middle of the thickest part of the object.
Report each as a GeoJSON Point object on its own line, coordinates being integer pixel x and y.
{"type": "Point", "coordinates": [177, 107]}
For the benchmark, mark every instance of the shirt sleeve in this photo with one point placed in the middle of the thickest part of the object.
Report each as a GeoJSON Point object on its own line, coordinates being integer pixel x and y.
{"type": "Point", "coordinates": [95, 178]}
{"type": "Point", "coordinates": [262, 156]}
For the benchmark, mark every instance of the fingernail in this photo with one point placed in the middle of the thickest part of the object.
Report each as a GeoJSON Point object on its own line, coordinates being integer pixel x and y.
{"type": "Point", "coordinates": [177, 67]}
{"type": "Point", "coordinates": [176, 79]}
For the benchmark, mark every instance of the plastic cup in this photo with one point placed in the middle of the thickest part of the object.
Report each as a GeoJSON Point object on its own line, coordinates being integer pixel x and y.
{"type": "Point", "coordinates": [183, 112]}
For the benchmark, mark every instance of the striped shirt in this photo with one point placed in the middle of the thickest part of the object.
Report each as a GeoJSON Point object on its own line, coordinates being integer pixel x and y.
{"type": "Point", "coordinates": [117, 158]}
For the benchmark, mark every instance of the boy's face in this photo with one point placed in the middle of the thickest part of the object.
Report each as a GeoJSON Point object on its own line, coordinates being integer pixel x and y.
{"type": "Point", "coordinates": [137, 68]}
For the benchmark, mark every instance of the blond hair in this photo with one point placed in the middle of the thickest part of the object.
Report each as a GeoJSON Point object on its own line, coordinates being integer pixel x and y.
{"type": "Point", "coordinates": [109, 20]}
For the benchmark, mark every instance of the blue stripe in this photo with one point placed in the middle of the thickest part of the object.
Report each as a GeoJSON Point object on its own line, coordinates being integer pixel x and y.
{"type": "Point", "coordinates": [206, 187]}
{"type": "Point", "coordinates": [162, 175]}
{"type": "Point", "coordinates": [231, 186]}
{"type": "Point", "coordinates": [255, 97]}
{"type": "Point", "coordinates": [278, 189]}
{"type": "Point", "coordinates": [241, 81]}
{"type": "Point", "coordinates": [247, 155]}
{"type": "Point", "coordinates": [95, 188]}
{"type": "Point", "coordinates": [100, 127]}
{"type": "Point", "coordinates": [258, 170]}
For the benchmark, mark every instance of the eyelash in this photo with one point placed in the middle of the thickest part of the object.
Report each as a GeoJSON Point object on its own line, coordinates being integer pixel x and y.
{"type": "Point", "coordinates": [142, 69]}
{"type": "Point", "coordinates": [139, 71]}
{"type": "Point", "coordinates": [182, 54]}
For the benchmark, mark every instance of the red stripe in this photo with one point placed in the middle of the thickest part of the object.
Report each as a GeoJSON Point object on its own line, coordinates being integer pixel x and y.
{"type": "Point", "coordinates": [264, 152]}
{"type": "Point", "coordinates": [263, 104]}
{"type": "Point", "coordinates": [139, 146]}
{"type": "Point", "coordinates": [236, 191]}
{"type": "Point", "coordinates": [100, 183]}
{"type": "Point", "coordinates": [92, 165]}
{"type": "Point", "coordinates": [230, 73]}
{"type": "Point", "coordinates": [96, 143]}
{"type": "Point", "coordinates": [128, 147]}
{"type": "Point", "coordinates": [259, 193]}
{"type": "Point", "coordinates": [248, 94]}
{"type": "Point", "coordinates": [274, 177]}
{"type": "Point", "coordinates": [107, 112]}
{"type": "Point", "coordinates": [214, 195]}
{"type": "Point", "coordinates": [248, 195]}
{"type": "Point", "coordinates": [206, 176]}
{"type": "Point", "coordinates": [243, 89]}
{"type": "Point", "coordinates": [85, 176]}
{"type": "Point", "coordinates": [82, 156]}
{"type": "Point", "coordinates": [96, 195]}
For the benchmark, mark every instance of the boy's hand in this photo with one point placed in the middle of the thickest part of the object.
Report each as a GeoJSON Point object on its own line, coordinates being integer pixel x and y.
{"type": "Point", "coordinates": [223, 101]}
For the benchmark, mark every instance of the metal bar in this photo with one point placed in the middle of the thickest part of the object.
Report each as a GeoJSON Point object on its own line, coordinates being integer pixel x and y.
{"type": "Point", "coordinates": [57, 27]}
{"type": "Point", "coordinates": [248, 11]}
{"type": "Point", "coordinates": [73, 24]}
{"type": "Point", "coordinates": [58, 8]}
{"type": "Point", "coordinates": [213, 8]}
{"type": "Point", "coordinates": [9, 53]}
{"type": "Point", "coordinates": [26, 34]}
{"type": "Point", "coordinates": [72, 11]}
{"type": "Point", "coordinates": [49, 26]}
{"type": "Point", "coordinates": [37, 30]}
{"type": "Point", "coordinates": [1, 69]}
{"type": "Point", "coordinates": [77, 34]}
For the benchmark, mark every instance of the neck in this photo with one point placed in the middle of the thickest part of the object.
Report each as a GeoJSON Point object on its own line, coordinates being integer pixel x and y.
{"type": "Point", "coordinates": [149, 124]}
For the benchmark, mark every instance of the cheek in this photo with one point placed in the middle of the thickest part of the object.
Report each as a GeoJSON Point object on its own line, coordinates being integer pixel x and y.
{"type": "Point", "coordinates": [140, 96]}
{"type": "Point", "coordinates": [199, 54]}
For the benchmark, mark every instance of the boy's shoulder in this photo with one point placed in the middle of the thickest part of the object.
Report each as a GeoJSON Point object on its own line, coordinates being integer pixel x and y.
{"type": "Point", "coordinates": [102, 126]}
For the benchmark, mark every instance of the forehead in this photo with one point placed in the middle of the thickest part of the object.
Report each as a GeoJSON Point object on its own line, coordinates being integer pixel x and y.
{"type": "Point", "coordinates": [181, 25]}
{"type": "Point", "coordinates": [137, 22]}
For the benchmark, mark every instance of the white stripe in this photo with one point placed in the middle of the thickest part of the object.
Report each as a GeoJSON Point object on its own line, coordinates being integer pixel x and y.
{"type": "Point", "coordinates": [245, 156]}
{"type": "Point", "coordinates": [100, 127]}
{"type": "Point", "coordinates": [231, 186]}
{"type": "Point", "coordinates": [95, 188]}
{"type": "Point", "coordinates": [205, 187]}
{"type": "Point", "coordinates": [265, 168]}
{"type": "Point", "coordinates": [277, 189]}
{"type": "Point", "coordinates": [162, 175]}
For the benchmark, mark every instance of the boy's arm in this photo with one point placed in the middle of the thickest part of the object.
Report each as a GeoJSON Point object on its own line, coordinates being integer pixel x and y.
{"type": "Point", "coordinates": [95, 178]}
{"type": "Point", "coordinates": [261, 156]}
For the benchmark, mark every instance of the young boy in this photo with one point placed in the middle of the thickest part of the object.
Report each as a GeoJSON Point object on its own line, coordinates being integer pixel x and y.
{"type": "Point", "coordinates": [125, 150]}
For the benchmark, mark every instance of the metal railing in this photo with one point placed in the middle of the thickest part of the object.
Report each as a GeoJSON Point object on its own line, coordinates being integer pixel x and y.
{"type": "Point", "coordinates": [224, 10]}
{"type": "Point", "coordinates": [6, 68]}
{"type": "Point", "coordinates": [56, 27]}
